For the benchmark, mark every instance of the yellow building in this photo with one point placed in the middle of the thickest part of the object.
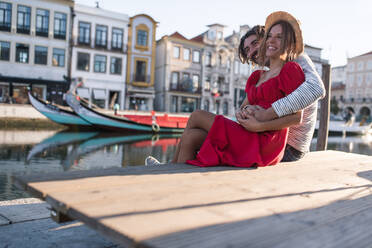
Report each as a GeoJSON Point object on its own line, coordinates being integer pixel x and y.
{"type": "Point", "coordinates": [141, 63]}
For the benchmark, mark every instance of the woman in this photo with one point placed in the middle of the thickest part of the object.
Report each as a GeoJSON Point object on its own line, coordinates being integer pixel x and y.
{"type": "Point", "coordinates": [225, 142]}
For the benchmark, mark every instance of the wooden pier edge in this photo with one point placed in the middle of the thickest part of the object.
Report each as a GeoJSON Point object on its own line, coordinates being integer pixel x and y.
{"type": "Point", "coordinates": [217, 207]}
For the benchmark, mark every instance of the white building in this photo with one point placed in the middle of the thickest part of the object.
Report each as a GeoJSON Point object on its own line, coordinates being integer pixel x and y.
{"type": "Point", "coordinates": [34, 48]}
{"type": "Point", "coordinates": [99, 55]}
{"type": "Point", "coordinates": [359, 85]}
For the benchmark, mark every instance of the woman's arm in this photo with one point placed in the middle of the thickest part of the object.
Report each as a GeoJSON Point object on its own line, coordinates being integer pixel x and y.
{"type": "Point", "coordinates": [253, 125]}
{"type": "Point", "coordinates": [305, 95]}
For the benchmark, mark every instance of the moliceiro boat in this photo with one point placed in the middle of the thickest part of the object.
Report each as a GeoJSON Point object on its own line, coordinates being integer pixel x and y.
{"type": "Point", "coordinates": [59, 114]}
{"type": "Point", "coordinates": [129, 122]}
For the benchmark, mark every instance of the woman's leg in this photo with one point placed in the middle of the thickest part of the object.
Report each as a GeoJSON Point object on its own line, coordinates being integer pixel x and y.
{"type": "Point", "coordinates": [199, 119]}
{"type": "Point", "coordinates": [190, 143]}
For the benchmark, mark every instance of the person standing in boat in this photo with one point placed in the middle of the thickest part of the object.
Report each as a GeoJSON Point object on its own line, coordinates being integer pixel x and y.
{"type": "Point", "coordinates": [226, 142]}
{"type": "Point", "coordinates": [116, 108]}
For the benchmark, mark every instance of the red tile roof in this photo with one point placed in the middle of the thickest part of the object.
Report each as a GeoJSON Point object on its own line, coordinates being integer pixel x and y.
{"type": "Point", "coordinates": [178, 35]}
{"type": "Point", "coordinates": [369, 53]}
{"type": "Point", "coordinates": [198, 38]}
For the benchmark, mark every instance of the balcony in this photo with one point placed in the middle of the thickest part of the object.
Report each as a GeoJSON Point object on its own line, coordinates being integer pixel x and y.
{"type": "Point", "coordinates": [186, 88]}
{"type": "Point", "coordinates": [5, 27]}
{"type": "Point", "coordinates": [42, 32]}
{"type": "Point", "coordinates": [60, 35]}
{"type": "Point", "coordinates": [141, 80]}
{"type": "Point", "coordinates": [23, 29]}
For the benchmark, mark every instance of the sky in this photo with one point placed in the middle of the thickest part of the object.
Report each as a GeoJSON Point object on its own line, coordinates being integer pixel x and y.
{"type": "Point", "coordinates": [342, 28]}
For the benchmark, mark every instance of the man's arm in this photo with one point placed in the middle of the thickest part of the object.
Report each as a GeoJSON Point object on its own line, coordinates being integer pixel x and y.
{"type": "Point", "coordinates": [253, 125]}
{"type": "Point", "coordinates": [306, 94]}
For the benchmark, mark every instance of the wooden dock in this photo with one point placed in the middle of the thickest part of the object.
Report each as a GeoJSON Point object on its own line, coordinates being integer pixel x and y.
{"type": "Point", "coordinates": [324, 200]}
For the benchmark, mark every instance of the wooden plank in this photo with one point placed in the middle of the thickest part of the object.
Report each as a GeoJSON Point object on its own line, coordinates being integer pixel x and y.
{"type": "Point", "coordinates": [143, 205]}
{"type": "Point", "coordinates": [322, 138]}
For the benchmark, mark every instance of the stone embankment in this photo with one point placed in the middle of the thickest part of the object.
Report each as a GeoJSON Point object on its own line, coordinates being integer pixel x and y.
{"type": "Point", "coordinates": [27, 223]}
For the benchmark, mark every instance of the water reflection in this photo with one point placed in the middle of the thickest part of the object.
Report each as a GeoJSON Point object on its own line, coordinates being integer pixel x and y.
{"type": "Point", "coordinates": [78, 151]}
{"type": "Point", "coordinates": [43, 152]}
{"type": "Point", "coordinates": [353, 144]}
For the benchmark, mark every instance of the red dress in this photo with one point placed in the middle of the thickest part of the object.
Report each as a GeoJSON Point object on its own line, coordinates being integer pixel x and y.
{"type": "Point", "coordinates": [228, 143]}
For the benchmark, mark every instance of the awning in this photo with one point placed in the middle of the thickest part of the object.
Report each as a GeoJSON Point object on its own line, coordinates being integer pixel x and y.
{"type": "Point", "coordinates": [83, 92]}
{"type": "Point", "coordinates": [139, 95]}
{"type": "Point", "coordinates": [99, 94]}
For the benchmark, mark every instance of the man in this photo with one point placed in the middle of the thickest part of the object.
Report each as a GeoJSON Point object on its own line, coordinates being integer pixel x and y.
{"type": "Point", "coordinates": [304, 98]}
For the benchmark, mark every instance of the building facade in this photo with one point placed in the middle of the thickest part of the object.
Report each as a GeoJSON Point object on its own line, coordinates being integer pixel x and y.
{"type": "Point", "coordinates": [358, 87]}
{"type": "Point", "coordinates": [140, 75]}
{"type": "Point", "coordinates": [178, 74]}
{"type": "Point", "coordinates": [34, 49]}
{"type": "Point", "coordinates": [200, 73]}
{"type": "Point", "coordinates": [99, 55]}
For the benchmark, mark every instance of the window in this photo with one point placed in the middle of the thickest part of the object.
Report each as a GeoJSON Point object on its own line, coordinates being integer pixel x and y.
{"type": "Point", "coordinates": [58, 57]}
{"type": "Point", "coordinates": [369, 65]}
{"type": "Point", "coordinates": [142, 38]}
{"type": "Point", "coordinates": [359, 80]}
{"type": "Point", "coordinates": [174, 106]}
{"type": "Point", "coordinates": [174, 80]}
{"type": "Point", "coordinates": [206, 105]}
{"type": "Point", "coordinates": [100, 63]}
{"type": "Point", "coordinates": [225, 108]}
{"type": "Point", "coordinates": [351, 67]}
{"type": "Point", "coordinates": [23, 19]}
{"type": "Point", "coordinates": [196, 56]}
{"type": "Point", "coordinates": [60, 25]}
{"type": "Point", "coordinates": [208, 59]}
{"type": "Point", "coordinates": [83, 62]}
{"type": "Point", "coordinates": [115, 67]}
{"type": "Point", "coordinates": [195, 82]}
{"type": "Point", "coordinates": [176, 52]}
{"type": "Point", "coordinates": [101, 36]}
{"type": "Point", "coordinates": [186, 54]}
{"type": "Point", "coordinates": [42, 22]}
{"type": "Point", "coordinates": [4, 50]}
{"type": "Point", "coordinates": [236, 67]}
{"type": "Point", "coordinates": [117, 38]}
{"type": "Point", "coordinates": [360, 66]}
{"type": "Point", "coordinates": [140, 75]}
{"type": "Point", "coordinates": [186, 76]}
{"type": "Point", "coordinates": [41, 55]}
{"type": "Point", "coordinates": [84, 33]}
{"type": "Point", "coordinates": [22, 53]}
{"type": "Point", "coordinates": [5, 16]}
{"type": "Point", "coordinates": [219, 35]}
{"type": "Point", "coordinates": [207, 84]}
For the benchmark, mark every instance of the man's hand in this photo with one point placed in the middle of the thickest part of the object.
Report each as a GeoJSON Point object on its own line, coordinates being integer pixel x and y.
{"type": "Point", "coordinates": [251, 124]}
{"type": "Point", "coordinates": [262, 114]}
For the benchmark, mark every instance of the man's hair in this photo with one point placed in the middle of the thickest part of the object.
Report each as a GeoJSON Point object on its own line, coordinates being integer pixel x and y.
{"type": "Point", "coordinates": [288, 43]}
{"type": "Point", "coordinates": [257, 30]}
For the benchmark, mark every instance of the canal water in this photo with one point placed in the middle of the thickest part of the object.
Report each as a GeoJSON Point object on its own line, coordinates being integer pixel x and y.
{"type": "Point", "coordinates": [30, 152]}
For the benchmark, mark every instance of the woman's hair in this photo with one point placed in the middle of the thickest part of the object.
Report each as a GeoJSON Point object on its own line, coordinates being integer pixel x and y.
{"type": "Point", "coordinates": [257, 30]}
{"type": "Point", "coordinates": [288, 43]}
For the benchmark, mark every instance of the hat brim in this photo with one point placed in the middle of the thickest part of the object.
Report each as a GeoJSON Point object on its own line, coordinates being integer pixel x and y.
{"type": "Point", "coordinates": [285, 16]}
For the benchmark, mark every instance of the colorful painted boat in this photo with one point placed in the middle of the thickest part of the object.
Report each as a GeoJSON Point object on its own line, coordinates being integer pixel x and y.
{"type": "Point", "coordinates": [127, 123]}
{"type": "Point", "coordinates": [58, 114]}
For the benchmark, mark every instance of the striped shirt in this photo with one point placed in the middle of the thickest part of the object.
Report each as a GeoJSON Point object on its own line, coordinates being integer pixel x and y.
{"type": "Point", "coordinates": [305, 97]}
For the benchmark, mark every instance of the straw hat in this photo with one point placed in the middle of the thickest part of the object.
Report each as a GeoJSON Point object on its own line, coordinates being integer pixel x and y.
{"type": "Point", "coordinates": [285, 16]}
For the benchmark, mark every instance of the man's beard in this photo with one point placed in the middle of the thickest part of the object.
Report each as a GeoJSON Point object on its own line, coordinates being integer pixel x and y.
{"type": "Point", "coordinates": [254, 57]}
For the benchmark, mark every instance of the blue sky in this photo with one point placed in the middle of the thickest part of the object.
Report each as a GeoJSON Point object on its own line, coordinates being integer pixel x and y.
{"type": "Point", "coordinates": [341, 27]}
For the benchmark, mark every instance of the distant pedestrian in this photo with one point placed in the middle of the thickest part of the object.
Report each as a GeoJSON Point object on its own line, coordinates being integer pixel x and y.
{"type": "Point", "coordinates": [116, 108]}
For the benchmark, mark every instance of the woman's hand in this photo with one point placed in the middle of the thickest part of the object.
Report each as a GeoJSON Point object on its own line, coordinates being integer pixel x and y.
{"type": "Point", "coordinates": [250, 124]}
